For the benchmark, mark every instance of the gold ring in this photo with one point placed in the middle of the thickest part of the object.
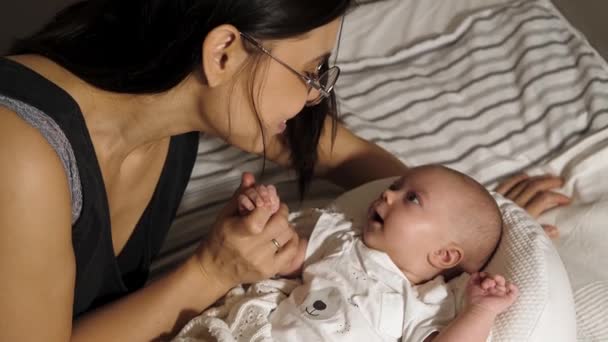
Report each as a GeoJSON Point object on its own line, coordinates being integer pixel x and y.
{"type": "Point", "coordinates": [276, 244]}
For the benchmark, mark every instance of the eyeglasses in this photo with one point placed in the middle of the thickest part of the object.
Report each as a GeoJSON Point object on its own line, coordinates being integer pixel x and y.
{"type": "Point", "coordinates": [323, 81]}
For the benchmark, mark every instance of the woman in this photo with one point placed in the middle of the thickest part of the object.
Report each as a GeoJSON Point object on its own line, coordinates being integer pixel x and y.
{"type": "Point", "coordinates": [99, 118]}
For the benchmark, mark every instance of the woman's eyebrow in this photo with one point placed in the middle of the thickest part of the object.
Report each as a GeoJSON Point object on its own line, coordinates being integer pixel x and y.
{"type": "Point", "coordinates": [320, 58]}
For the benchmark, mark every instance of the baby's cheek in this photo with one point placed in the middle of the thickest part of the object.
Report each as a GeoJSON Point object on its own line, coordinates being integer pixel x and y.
{"type": "Point", "coordinates": [369, 239]}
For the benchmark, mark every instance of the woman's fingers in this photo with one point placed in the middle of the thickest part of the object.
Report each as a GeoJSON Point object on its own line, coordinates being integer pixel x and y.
{"type": "Point", "coordinates": [283, 236]}
{"type": "Point", "coordinates": [534, 193]}
{"type": "Point", "coordinates": [286, 254]}
{"type": "Point", "coordinates": [258, 219]}
{"type": "Point", "coordinates": [531, 184]}
{"type": "Point", "coordinates": [544, 201]}
{"type": "Point", "coordinates": [518, 188]}
{"type": "Point", "coordinates": [278, 227]}
{"type": "Point", "coordinates": [510, 183]}
{"type": "Point", "coordinates": [536, 186]}
{"type": "Point", "coordinates": [276, 243]}
{"type": "Point", "coordinates": [551, 231]}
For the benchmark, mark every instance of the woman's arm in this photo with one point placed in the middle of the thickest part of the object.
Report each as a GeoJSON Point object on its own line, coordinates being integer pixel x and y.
{"type": "Point", "coordinates": [156, 312]}
{"type": "Point", "coordinates": [354, 161]}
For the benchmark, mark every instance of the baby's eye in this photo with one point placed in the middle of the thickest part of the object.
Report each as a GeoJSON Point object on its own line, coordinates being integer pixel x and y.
{"type": "Point", "coordinates": [412, 197]}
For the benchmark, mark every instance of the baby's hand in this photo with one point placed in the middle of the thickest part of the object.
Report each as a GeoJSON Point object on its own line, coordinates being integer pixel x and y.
{"type": "Point", "coordinates": [489, 293]}
{"type": "Point", "coordinates": [258, 196]}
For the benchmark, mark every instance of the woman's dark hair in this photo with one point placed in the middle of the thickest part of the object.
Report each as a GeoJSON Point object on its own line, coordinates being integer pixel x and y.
{"type": "Point", "coordinates": [150, 46]}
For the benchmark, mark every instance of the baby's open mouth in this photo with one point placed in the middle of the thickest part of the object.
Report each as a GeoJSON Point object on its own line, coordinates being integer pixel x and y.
{"type": "Point", "coordinates": [377, 218]}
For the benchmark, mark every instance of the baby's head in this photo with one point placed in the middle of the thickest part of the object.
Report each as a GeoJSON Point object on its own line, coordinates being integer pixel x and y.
{"type": "Point", "coordinates": [432, 221]}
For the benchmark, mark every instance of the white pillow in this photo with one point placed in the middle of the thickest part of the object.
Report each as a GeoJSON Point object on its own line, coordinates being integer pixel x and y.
{"type": "Point", "coordinates": [545, 309]}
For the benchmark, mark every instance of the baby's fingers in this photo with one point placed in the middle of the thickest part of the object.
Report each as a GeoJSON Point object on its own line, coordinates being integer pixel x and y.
{"type": "Point", "coordinates": [488, 283]}
{"type": "Point", "coordinates": [264, 193]}
{"type": "Point", "coordinates": [512, 290]}
{"type": "Point", "coordinates": [544, 201]}
{"type": "Point", "coordinates": [274, 198]}
{"type": "Point", "coordinates": [500, 280]}
{"type": "Point", "coordinates": [254, 196]}
{"type": "Point", "coordinates": [498, 291]}
{"type": "Point", "coordinates": [245, 204]}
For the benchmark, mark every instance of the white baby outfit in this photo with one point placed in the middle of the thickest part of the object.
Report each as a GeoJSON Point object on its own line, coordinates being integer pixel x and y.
{"type": "Point", "coordinates": [353, 293]}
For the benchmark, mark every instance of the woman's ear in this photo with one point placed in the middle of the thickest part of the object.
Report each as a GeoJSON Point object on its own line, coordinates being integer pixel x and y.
{"type": "Point", "coordinates": [223, 54]}
{"type": "Point", "coordinates": [447, 257]}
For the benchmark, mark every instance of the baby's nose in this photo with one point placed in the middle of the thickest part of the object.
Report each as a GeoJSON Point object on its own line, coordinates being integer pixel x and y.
{"type": "Point", "coordinates": [388, 196]}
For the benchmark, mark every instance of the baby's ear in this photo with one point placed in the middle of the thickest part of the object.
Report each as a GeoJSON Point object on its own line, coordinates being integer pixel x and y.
{"type": "Point", "coordinates": [447, 257]}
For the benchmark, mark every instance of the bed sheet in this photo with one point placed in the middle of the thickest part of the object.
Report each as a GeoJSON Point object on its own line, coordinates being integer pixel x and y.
{"type": "Point", "coordinates": [402, 24]}
{"type": "Point", "coordinates": [583, 244]}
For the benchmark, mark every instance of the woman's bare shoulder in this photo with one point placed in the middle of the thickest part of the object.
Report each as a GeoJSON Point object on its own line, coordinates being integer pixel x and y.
{"type": "Point", "coordinates": [36, 254]}
{"type": "Point", "coordinates": [25, 153]}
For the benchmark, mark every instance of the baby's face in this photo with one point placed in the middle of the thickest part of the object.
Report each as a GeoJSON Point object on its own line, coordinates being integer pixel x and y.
{"type": "Point", "coordinates": [412, 217]}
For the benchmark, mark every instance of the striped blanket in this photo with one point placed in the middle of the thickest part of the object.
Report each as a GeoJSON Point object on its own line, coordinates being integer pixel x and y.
{"type": "Point", "coordinates": [510, 88]}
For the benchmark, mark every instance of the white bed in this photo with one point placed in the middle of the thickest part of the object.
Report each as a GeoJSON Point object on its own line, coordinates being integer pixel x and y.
{"type": "Point", "coordinates": [484, 90]}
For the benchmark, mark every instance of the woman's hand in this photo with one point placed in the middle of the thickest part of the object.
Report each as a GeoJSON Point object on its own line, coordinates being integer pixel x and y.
{"type": "Point", "coordinates": [246, 249]}
{"type": "Point", "coordinates": [535, 195]}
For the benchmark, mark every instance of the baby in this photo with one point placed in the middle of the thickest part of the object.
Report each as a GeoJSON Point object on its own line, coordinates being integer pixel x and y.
{"type": "Point", "coordinates": [382, 280]}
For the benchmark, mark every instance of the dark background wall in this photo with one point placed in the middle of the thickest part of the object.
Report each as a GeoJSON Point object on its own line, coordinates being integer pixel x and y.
{"type": "Point", "coordinates": [589, 16]}
{"type": "Point", "coordinates": [20, 17]}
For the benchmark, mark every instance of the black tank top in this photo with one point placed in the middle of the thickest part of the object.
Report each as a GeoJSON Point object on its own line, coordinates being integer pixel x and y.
{"type": "Point", "coordinates": [100, 276]}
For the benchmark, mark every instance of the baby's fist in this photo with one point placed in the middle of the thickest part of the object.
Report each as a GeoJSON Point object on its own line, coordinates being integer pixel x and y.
{"type": "Point", "coordinates": [259, 196]}
{"type": "Point", "coordinates": [491, 293]}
